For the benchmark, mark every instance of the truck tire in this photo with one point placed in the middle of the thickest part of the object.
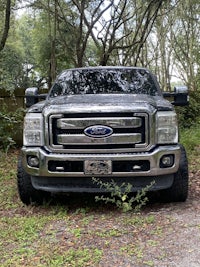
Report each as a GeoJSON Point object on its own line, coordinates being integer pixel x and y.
{"type": "Point", "coordinates": [178, 192]}
{"type": "Point", "coordinates": [27, 193]}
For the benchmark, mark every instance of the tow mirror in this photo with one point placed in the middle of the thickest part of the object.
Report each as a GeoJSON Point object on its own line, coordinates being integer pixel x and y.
{"type": "Point", "coordinates": [32, 96]}
{"type": "Point", "coordinates": [180, 95]}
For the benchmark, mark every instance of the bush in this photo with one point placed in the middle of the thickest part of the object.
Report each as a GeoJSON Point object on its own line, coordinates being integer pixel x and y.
{"type": "Point", "coordinates": [190, 115]}
{"type": "Point", "coordinates": [9, 121]}
{"type": "Point", "coordinates": [190, 138]}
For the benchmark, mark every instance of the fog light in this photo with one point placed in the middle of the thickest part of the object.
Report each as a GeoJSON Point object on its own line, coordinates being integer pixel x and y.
{"type": "Point", "coordinates": [167, 161]}
{"type": "Point", "coordinates": [33, 161]}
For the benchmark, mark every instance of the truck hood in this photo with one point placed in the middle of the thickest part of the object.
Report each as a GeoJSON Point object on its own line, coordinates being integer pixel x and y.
{"type": "Point", "coordinates": [103, 102]}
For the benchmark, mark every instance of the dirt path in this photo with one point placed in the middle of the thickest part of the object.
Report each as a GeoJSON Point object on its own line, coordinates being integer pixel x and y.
{"type": "Point", "coordinates": [181, 241]}
{"type": "Point", "coordinates": [172, 240]}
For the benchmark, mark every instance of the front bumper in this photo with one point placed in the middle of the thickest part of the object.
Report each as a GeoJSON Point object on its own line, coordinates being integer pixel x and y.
{"type": "Point", "coordinates": [153, 159]}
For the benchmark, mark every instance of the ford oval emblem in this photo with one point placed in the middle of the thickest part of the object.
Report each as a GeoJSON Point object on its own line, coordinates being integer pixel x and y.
{"type": "Point", "coordinates": [98, 131]}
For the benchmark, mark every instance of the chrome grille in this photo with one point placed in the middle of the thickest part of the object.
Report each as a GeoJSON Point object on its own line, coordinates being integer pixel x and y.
{"type": "Point", "coordinates": [130, 133]}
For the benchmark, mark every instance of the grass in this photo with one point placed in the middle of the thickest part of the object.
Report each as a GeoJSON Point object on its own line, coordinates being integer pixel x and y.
{"type": "Point", "coordinates": [78, 231]}
{"type": "Point", "coordinates": [190, 139]}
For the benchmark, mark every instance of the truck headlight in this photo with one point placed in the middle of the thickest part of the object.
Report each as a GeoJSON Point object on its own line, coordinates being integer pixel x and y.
{"type": "Point", "coordinates": [166, 127]}
{"type": "Point", "coordinates": [33, 130]}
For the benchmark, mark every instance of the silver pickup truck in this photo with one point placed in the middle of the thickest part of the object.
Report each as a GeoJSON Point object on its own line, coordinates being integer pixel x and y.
{"type": "Point", "coordinates": [111, 123]}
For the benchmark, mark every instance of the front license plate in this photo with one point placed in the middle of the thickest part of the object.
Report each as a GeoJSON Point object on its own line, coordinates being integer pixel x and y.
{"type": "Point", "coordinates": [97, 167]}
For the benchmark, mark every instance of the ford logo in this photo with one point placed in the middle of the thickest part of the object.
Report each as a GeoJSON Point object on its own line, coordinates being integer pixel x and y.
{"type": "Point", "coordinates": [98, 131]}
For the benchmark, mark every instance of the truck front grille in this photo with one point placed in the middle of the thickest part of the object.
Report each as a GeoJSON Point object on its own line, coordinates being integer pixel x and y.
{"type": "Point", "coordinates": [130, 132]}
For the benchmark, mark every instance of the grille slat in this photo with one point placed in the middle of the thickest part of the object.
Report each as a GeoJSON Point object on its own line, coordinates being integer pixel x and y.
{"type": "Point", "coordinates": [63, 139]}
{"type": "Point", "coordinates": [75, 123]}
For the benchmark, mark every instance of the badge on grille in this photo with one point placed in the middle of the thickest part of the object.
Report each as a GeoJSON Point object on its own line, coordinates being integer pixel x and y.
{"type": "Point", "coordinates": [98, 131]}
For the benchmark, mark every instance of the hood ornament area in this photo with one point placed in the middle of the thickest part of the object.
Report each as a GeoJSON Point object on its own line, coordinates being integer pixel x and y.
{"type": "Point", "coordinates": [98, 131]}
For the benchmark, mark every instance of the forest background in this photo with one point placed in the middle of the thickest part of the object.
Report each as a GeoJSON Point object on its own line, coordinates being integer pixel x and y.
{"type": "Point", "coordinates": [40, 38]}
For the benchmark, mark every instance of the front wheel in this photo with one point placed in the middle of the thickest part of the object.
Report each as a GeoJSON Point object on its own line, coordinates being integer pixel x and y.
{"type": "Point", "coordinates": [27, 193]}
{"type": "Point", "coordinates": [178, 192]}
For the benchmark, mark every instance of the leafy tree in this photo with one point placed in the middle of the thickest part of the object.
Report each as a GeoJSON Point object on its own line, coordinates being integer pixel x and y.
{"type": "Point", "coordinates": [186, 44]}
{"type": "Point", "coordinates": [58, 34]}
{"type": "Point", "coordinates": [119, 29]}
{"type": "Point", "coordinates": [11, 69]}
{"type": "Point", "coordinates": [159, 43]}
{"type": "Point", "coordinates": [111, 29]}
{"type": "Point", "coordinates": [16, 61]}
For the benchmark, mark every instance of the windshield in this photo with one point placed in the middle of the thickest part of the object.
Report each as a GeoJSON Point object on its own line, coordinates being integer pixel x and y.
{"type": "Point", "coordinates": [104, 81]}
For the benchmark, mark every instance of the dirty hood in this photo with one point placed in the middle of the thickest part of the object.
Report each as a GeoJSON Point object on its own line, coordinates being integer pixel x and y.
{"type": "Point", "coordinates": [103, 103]}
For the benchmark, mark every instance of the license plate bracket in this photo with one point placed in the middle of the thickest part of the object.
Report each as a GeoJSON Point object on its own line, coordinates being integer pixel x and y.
{"type": "Point", "coordinates": [97, 167]}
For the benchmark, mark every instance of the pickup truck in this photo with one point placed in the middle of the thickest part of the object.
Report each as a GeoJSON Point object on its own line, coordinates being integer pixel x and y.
{"type": "Point", "coordinates": [111, 123]}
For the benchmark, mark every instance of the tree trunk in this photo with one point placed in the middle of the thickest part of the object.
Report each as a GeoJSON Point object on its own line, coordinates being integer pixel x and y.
{"type": "Point", "coordinates": [6, 25]}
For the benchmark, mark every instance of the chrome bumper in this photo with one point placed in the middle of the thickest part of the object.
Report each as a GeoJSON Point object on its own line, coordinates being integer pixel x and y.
{"type": "Point", "coordinates": [153, 157]}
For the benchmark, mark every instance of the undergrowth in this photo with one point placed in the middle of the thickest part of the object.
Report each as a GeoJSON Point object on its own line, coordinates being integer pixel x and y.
{"type": "Point", "coordinates": [10, 121]}
{"type": "Point", "coordinates": [190, 138]}
{"type": "Point", "coordinates": [121, 195]}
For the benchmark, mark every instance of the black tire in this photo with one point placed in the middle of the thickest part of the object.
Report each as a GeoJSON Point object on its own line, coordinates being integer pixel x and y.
{"type": "Point", "coordinates": [178, 192]}
{"type": "Point", "coordinates": [27, 193]}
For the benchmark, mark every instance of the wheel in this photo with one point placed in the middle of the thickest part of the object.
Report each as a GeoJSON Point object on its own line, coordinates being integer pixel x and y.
{"type": "Point", "coordinates": [178, 192]}
{"type": "Point", "coordinates": [27, 193]}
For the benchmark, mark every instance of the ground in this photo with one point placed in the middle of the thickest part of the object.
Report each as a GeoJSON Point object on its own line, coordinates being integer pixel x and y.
{"type": "Point", "coordinates": [77, 231]}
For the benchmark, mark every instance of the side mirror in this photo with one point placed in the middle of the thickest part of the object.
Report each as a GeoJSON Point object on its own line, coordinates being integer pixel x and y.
{"type": "Point", "coordinates": [31, 96]}
{"type": "Point", "coordinates": [181, 97]}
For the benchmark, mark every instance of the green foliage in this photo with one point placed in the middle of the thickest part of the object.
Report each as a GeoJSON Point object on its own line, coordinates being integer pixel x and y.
{"type": "Point", "coordinates": [9, 120]}
{"type": "Point", "coordinates": [190, 115]}
{"type": "Point", "coordinates": [17, 60]}
{"type": "Point", "coordinates": [15, 67]}
{"type": "Point", "coordinates": [121, 195]}
{"type": "Point", "coordinates": [190, 138]}
{"type": "Point", "coordinates": [44, 38]}
{"type": "Point", "coordinates": [10, 68]}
